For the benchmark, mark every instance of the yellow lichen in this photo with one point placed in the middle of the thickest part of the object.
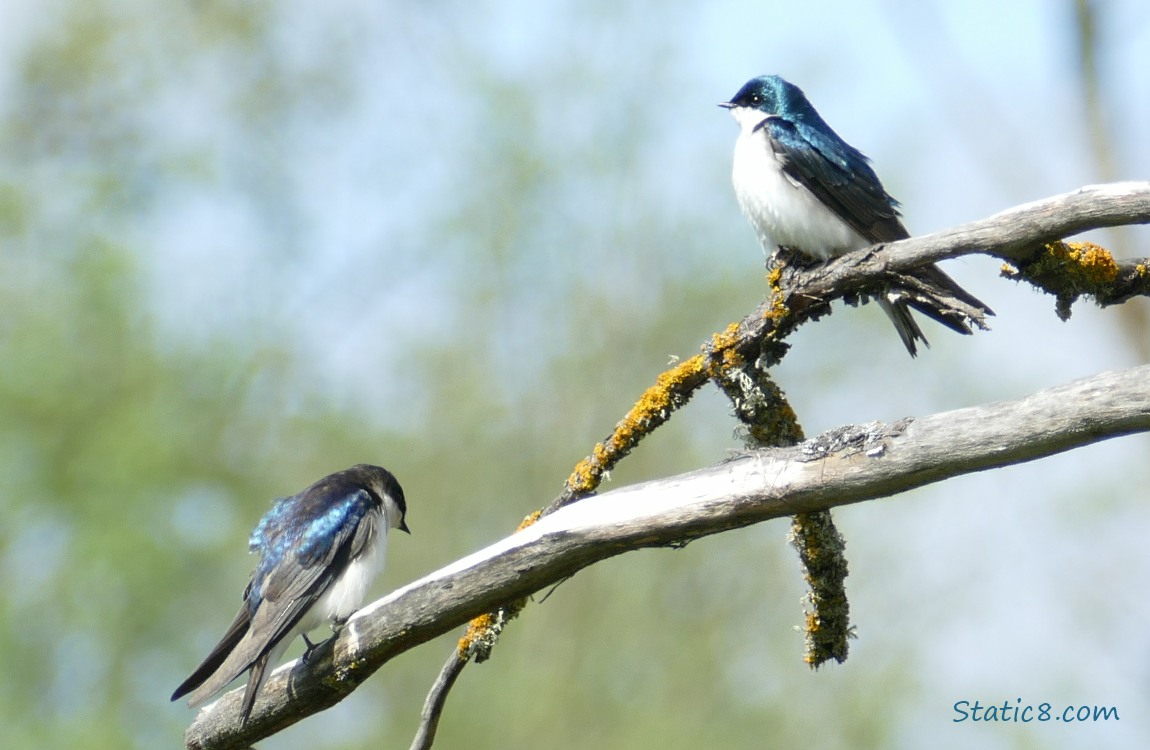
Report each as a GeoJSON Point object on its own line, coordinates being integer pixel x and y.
{"type": "Point", "coordinates": [652, 409]}
{"type": "Point", "coordinates": [475, 629]}
{"type": "Point", "coordinates": [529, 520]}
{"type": "Point", "coordinates": [1083, 264]}
{"type": "Point", "coordinates": [484, 631]}
{"type": "Point", "coordinates": [724, 351]}
{"type": "Point", "coordinates": [582, 478]}
{"type": "Point", "coordinates": [1069, 270]}
{"type": "Point", "coordinates": [679, 374]}
{"type": "Point", "coordinates": [811, 657]}
{"type": "Point", "coordinates": [1096, 263]}
{"type": "Point", "coordinates": [812, 622]}
{"type": "Point", "coordinates": [656, 401]}
{"type": "Point", "coordinates": [778, 308]}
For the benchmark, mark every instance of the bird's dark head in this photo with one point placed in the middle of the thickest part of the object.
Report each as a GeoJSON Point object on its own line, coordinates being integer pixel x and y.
{"type": "Point", "coordinates": [383, 483]}
{"type": "Point", "coordinates": [771, 95]}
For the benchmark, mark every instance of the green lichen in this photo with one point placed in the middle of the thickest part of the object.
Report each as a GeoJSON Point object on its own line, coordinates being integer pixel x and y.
{"type": "Point", "coordinates": [821, 549]}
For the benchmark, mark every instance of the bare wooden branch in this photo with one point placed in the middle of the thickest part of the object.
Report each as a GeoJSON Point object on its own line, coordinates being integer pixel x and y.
{"type": "Point", "coordinates": [435, 701]}
{"type": "Point", "coordinates": [847, 465]}
{"type": "Point", "coordinates": [1018, 235]}
{"type": "Point", "coordinates": [1013, 234]}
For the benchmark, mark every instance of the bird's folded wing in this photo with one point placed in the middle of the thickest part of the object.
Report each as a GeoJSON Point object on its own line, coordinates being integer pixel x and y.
{"type": "Point", "coordinates": [839, 176]}
{"type": "Point", "coordinates": [286, 594]}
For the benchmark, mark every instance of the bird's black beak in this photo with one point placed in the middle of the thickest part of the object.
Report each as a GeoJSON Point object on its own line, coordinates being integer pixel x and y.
{"type": "Point", "coordinates": [727, 105]}
{"type": "Point", "coordinates": [403, 527]}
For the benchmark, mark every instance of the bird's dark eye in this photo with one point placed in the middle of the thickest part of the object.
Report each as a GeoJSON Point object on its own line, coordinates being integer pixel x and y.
{"type": "Point", "coordinates": [756, 99]}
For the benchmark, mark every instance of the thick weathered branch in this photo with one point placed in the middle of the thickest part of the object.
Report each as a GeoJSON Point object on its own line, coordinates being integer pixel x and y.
{"type": "Point", "coordinates": [1019, 235]}
{"type": "Point", "coordinates": [1015, 233]}
{"type": "Point", "coordinates": [847, 465]}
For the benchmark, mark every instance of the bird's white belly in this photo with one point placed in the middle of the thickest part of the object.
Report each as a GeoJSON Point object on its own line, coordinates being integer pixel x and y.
{"type": "Point", "coordinates": [783, 212]}
{"type": "Point", "coordinates": [347, 593]}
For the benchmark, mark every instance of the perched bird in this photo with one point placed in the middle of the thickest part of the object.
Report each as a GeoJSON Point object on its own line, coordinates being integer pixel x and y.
{"type": "Point", "coordinates": [805, 189]}
{"type": "Point", "coordinates": [319, 551]}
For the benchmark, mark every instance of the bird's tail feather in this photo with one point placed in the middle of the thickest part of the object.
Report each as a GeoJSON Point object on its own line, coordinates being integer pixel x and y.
{"type": "Point", "coordinates": [899, 313]}
{"type": "Point", "coordinates": [242, 658]}
{"type": "Point", "coordinates": [930, 291]}
{"type": "Point", "coordinates": [938, 279]}
{"type": "Point", "coordinates": [258, 676]}
{"type": "Point", "coordinates": [211, 663]}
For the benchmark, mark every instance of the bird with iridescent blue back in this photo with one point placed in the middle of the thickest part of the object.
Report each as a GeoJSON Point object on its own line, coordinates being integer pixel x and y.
{"type": "Point", "coordinates": [319, 551]}
{"type": "Point", "coordinates": [805, 189]}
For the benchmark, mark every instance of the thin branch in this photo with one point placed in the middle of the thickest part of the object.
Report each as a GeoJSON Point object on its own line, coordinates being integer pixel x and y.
{"type": "Point", "coordinates": [847, 465]}
{"type": "Point", "coordinates": [436, 700]}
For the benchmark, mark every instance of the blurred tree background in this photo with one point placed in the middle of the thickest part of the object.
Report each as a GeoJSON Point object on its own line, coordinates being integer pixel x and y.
{"type": "Point", "coordinates": [244, 244]}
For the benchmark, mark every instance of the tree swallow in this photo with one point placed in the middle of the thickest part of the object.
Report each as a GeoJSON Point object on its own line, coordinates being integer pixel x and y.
{"type": "Point", "coordinates": [319, 551]}
{"type": "Point", "coordinates": [805, 189]}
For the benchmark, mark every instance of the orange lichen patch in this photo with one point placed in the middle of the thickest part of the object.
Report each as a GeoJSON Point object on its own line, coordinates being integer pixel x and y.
{"type": "Point", "coordinates": [681, 373]}
{"type": "Point", "coordinates": [1141, 269]}
{"type": "Point", "coordinates": [672, 388]}
{"type": "Point", "coordinates": [778, 308]}
{"type": "Point", "coordinates": [726, 339]}
{"type": "Point", "coordinates": [585, 477]}
{"type": "Point", "coordinates": [654, 406]}
{"type": "Point", "coordinates": [810, 657]}
{"type": "Point", "coordinates": [1069, 270]}
{"type": "Point", "coordinates": [1096, 263]}
{"type": "Point", "coordinates": [484, 631]}
{"type": "Point", "coordinates": [724, 351]}
{"type": "Point", "coordinates": [529, 520]}
{"type": "Point", "coordinates": [1083, 264]}
{"type": "Point", "coordinates": [476, 629]}
{"type": "Point", "coordinates": [657, 399]}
